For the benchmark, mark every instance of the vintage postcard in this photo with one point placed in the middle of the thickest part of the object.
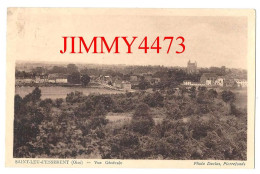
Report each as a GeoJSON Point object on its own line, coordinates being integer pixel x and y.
{"type": "Point", "coordinates": [130, 88]}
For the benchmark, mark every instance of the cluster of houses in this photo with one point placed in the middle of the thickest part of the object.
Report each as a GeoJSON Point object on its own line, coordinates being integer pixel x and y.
{"type": "Point", "coordinates": [132, 82]}
{"type": "Point", "coordinates": [211, 80]}
{"type": "Point", "coordinates": [105, 80]}
{"type": "Point", "coordinates": [42, 79]}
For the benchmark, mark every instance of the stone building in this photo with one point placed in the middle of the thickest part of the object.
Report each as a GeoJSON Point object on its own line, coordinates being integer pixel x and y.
{"type": "Point", "coordinates": [192, 67]}
{"type": "Point", "coordinates": [208, 78]}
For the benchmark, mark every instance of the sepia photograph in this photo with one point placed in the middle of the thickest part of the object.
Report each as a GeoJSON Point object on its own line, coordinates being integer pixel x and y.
{"type": "Point", "coordinates": [130, 112]}
{"type": "Point", "coordinates": [140, 84]}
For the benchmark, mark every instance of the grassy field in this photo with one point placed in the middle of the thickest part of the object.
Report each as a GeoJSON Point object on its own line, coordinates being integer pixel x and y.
{"type": "Point", "coordinates": [157, 115]}
{"type": "Point", "coordinates": [241, 98]}
{"type": "Point", "coordinates": [55, 92]}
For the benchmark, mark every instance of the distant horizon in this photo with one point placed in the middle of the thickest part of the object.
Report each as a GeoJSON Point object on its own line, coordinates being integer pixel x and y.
{"type": "Point", "coordinates": [106, 64]}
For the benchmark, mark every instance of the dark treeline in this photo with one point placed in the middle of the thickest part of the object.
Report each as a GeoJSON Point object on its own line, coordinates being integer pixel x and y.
{"type": "Point", "coordinates": [195, 124]}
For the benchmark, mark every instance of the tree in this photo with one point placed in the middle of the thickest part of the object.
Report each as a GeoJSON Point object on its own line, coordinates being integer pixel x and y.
{"type": "Point", "coordinates": [192, 92]}
{"type": "Point", "coordinates": [155, 99]}
{"type": "Point", "coordinates": [74, 97]}
{"type": "Point", "coordinates": [58, 69]}
{"type": "Point", "coordinates": [72, 68]}
{"type": "Point", "coordinates": [228, 96]}
{"type": "Point", "coordinates": [174, 112]}
{"type": "Point", "coordinates": [212, 93]}
{"type": "Point", "coordinates": [202, 88]}
{"type": "Point", "coordinates": [143, 85]}
{"type": "Point", "coordinates": [234, 110]}
{"type": "Point", "coordinates": [46, 104]}
{"type": "Point", "coordinates": [84, 71]}
{"type": "Point", "coordinates": [58, 102]}
{"type": "Point", "coordinates": [38, 70]}
{"type": "Point", "coordinates": [182, 91]}
{"type": "Point", "coordinates": [85, 79]}
{"type": "Point", "coordinates": [17, 103]}
{"type": "Point", "coordinates": [74, 78]}
{"type": "Point", "coordinates": [34, 96]}
{"type": "Point", "coordinates": [201, 97]}
{"type": "Point", "coordinates": [124, 145]}
{"type": "Point", "coordinates": [142, 122]}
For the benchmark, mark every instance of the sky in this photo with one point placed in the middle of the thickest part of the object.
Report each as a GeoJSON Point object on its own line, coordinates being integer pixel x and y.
{"type": "Point", "coordinates": [213, 40]}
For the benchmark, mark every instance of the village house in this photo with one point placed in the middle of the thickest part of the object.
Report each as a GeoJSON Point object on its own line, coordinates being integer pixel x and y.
{"type": "Point", "coordinates": [104, 79]}
{"type": "Point", "coordinates": [133, 78]}
{"type": "Point", "coordinates": [19, 81]}
{"type": "Point", "coordinates": [187, 82]}
{"type": "Point", "coordinates": [29, 80]}
{"type": "Point", "coordinates": [126, 86]}
{"type": "Point", "coordinates": [230, 83]}
{"type": "Point", "coordinates": [220, 81]}
{"type": "Point", "coordinates": [116, 78]}
{"type": "Point", "coordinates": [209, 82]}
{"type": "Point", "coordinates": [197, 84]}
{"type": "Point", "coordinates": [241, 83]}
{"type": "Point", "coordinates": [190, 83]}
{"type": "Point", "coordinates": [155, 80]}
{"type": "Point", "coordinates": [41, 78]}
{"type": "Point", "coordinates": [208, 78]}
{"type": "Point", "coordinates": [93, 78]}
{"type": "Point", "coordinates": [52, 80]}
{"type": "Point", "coordinates": [62, 79]}
{"type": "Point", "coordinates": [57, 78]}
{"type": "Point", "coordinates": [148, 77]}
{"type": "Point", "coordinates": [117, 83]}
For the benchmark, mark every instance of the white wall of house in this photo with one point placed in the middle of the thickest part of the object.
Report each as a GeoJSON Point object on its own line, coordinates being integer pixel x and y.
{"type": "Point", "coordinates": [219, 82]}
{"type": "Point", "coordinates": [52, 81]}
{"type": "Point", "coordinates": [187, 82]}
{"type": "Point", "coordinates": [241, 83]}
{"type": "Point", "coordinates": [61, 80]}
{"type": "Point", "coordinates": [208, 82]}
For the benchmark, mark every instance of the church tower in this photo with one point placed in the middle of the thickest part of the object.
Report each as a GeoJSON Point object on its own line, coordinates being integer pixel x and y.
{"type": "Point", "coordinates": [192, 67]}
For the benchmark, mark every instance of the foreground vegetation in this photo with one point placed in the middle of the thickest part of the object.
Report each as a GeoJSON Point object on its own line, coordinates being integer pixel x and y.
{"type": "Point", "coordinates": [195, 124]}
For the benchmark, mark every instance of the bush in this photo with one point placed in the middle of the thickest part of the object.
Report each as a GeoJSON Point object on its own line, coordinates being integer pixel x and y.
{"type": "Point", "coordinates": [123, 146]}
{"type": "Point", "coordinates": [58, 102]}
{"type": "Point", "coordinates": [34, 96]}
{"type": "Point", "coordinates": [74, 97]}
{"type": "Point", "coordinates": [154, 100]}
{"type": "Point", "coordinates": [78, 128]}
{"type": "Point", "coordinates": [174, 112]}
{"type": "Point", "coordinates": [142, 122]}
{"type": "Point", "coordinates": [228, 96]}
